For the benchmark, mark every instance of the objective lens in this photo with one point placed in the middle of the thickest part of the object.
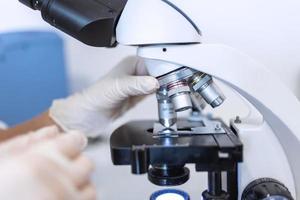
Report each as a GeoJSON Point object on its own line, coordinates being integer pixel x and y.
{"type": "Point", "coordinates": [198, 102]}
{"type": "Point", "coordinates": [179, 92]}
{"type": "Point", "coordinates": [166, 111]}
{"type": "Point", "coordinates": [204, 85]}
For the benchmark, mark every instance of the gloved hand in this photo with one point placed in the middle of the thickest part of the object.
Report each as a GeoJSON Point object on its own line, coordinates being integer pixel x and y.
{"type": "Point", "coordinates": [92, 110]}
{"type": "Point", "coordinates": [45, 165]}
{"type": "Point", "coordinates": [23, 142]}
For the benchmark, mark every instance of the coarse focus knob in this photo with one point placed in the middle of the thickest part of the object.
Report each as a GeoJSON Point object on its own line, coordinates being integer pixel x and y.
{"type": "Point", "coordinates": [266, 189]}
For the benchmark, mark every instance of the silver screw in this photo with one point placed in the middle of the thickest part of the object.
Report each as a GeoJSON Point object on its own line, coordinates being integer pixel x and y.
{"type": "Point", "coordinates": [238, 120]}
{"type": "Point", "coordinates": [218, 128]}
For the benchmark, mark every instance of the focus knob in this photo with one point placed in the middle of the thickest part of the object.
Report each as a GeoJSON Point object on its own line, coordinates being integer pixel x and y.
{"type": "Point", "coordinates": [266, 189]}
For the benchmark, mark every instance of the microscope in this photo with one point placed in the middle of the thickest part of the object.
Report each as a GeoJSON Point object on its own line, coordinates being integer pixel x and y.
{"type": "Point", "coordinates": [250, 158]}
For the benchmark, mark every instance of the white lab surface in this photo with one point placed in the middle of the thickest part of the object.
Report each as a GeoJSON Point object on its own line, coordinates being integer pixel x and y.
{"type": "Point", "coordinates": [268, 31]}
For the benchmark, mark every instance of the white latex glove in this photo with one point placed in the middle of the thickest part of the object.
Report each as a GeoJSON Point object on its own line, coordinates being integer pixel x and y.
{"type": "Point", "coordinates": [92, 110]}
{"type": "Point", "coordinates": [22, 143]}
{"type": "Point", "coordinates": [45, 165]}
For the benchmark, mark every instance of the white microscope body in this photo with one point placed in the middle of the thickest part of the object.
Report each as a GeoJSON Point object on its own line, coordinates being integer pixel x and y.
{"type": "Point", "coordinates": [169, 38]}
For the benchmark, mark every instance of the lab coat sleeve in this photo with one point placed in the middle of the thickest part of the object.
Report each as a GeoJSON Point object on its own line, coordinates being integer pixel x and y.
{"type": "Point", "coordinates": [3, 125]}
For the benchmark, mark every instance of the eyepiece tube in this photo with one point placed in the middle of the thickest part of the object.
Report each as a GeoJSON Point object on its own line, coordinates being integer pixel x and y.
{"type": "Point", "coordinates": [27, 3]}
{"type": "Point", "coordinates": [34, 4]}
{"type": "Point", "coordinates": [92, 22]}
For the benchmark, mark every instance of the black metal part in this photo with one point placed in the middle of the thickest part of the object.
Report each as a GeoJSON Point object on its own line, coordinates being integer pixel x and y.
{"type": "Point", "coordinates": [215, 191]}
{"type": "Point", "coordinates": [93, 22]}
{"type": "Point", "coordinates": [139, 160]}
{"type": "Point", "coordinates": [265, 189]}
{"type": "Point", "coordinates": [223, 196]}
{"type": "Point", "coordinates": [168, 175]}
{"type": "Point", "coordinates": [210, 152]}
{"type": "Point", "coordinates": [232, 182]}
{"type": "Point", "coordinates": [215, 183]}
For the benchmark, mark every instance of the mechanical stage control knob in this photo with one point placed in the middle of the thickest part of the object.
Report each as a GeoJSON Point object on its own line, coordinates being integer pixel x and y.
{"type": "Point", "coordinates": [266, 189]}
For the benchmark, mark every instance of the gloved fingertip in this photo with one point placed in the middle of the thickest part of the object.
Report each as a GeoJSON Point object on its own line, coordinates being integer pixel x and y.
{"type": "Point", "coordinates": [50, 130]}
{"type": "Point", "coordinates": [79, 138]}
{"type": "Point", "coordinates": [149, 84]}
{"type": "Point", "coordinates": [44, 133]}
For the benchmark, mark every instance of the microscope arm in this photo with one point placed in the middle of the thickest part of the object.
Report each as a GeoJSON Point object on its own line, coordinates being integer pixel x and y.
{"type": "Point", "coordinates": [250, 79]}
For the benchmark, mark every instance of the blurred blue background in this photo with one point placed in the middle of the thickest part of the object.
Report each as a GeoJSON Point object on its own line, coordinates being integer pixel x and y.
{"type": "Point", "coordinates": [33, 73]}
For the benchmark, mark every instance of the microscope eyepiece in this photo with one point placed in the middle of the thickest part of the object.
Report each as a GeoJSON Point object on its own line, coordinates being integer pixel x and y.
{"type": "Point", "coordinates": [27, 3]}
{"type": "Point", "coordinates": [34, 4]}
{"type": "Point", "coordinates": [91, 22]}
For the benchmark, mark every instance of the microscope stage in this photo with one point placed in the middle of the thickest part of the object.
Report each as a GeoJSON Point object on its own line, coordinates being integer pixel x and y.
{"type": "Point", "coordinates": [212, 151]}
